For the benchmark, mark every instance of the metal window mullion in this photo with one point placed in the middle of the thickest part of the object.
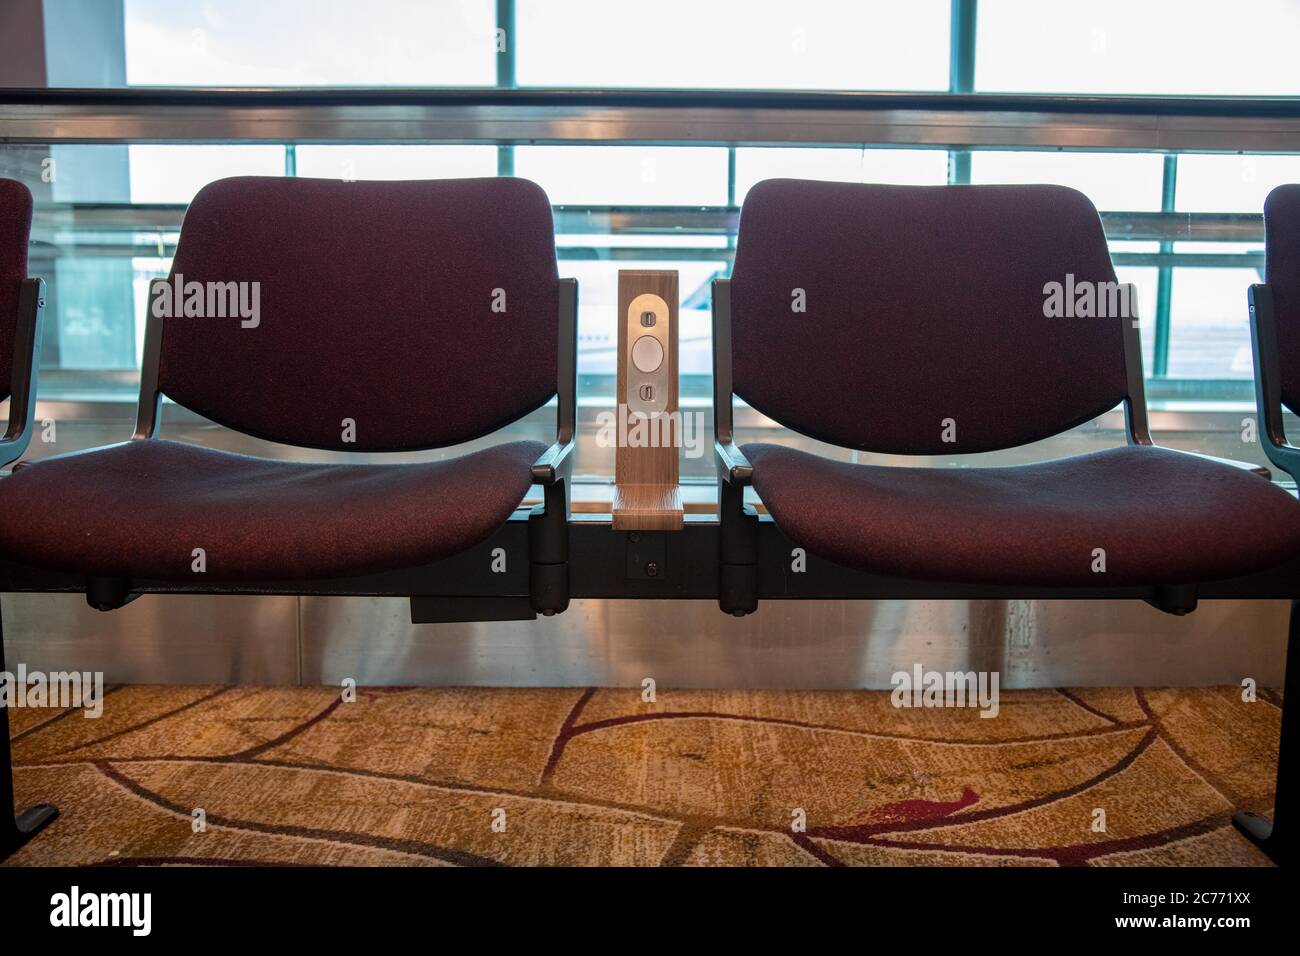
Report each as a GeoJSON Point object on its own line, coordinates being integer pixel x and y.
{"type": "Point", "coordinates": [505, 78]}
{"type": "Point", "coordinates": [961, 74]}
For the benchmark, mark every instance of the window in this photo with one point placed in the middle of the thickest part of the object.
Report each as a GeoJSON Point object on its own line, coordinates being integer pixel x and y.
{"type": "Point", "coordinates": [1209, 183]}
{"type": "Point", "coordinates": [110, 218]}
{"type": "Point", "coordinates": [310, 43]}
{"type": "Point", "coordinates": [1155, 47]}
{"type": "Point", "coordinates": [735, 44]}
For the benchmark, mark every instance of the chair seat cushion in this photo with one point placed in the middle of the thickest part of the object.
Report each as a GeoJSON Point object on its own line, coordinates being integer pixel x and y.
{"type": "Point", "coordinates": [140, 508]}
{"type": "Point", "coordinates": [1161, 517]}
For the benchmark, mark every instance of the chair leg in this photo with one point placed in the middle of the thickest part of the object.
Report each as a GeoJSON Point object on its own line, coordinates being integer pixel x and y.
{"type": "Point", "coordinates": [15, 828]}
{"type": "Point", "coordinates": [1257, 829]}
{"type": "Point", "coordinates": [548, 551]}
{"type": "Point", "coordinates": [737, 551]}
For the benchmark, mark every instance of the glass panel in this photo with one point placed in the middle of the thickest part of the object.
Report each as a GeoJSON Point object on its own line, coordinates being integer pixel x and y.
{"type": "Point", "coordinates": [310, 43]}
{"type": "Point", "coordinates": [919, 167]}
{"type": "Point", "coordinates": [618, 175]}
{"type": "Point", "coordinates": [1209, 183]}
{"type": "Point", "coordinates": [735, 44]}
{"type": "Point", "coordinates": [108, 217]}
{"type": "Point", "coordinates": [1153, 47]}
{"type": "Point", "coordinates": [1146, 280]}
{"type": "Point", "coordinates": [1128, 182]}
{"type": "Point", "coordinates": [1210, 335]}
{"type": "Point", "coordinates": [173, 174]}
{"type": "Point", "coordinates": [94, 320]}
{"type": "Point", "coordinates": [106, 220]}
{"type": "Point", "coordinates": [1210, 324]}
{"type": "Point", "coordinates": [396, 162]}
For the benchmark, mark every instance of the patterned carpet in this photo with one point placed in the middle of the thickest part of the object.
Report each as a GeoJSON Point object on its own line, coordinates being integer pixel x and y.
{"type": "Point", "coordinates": [567, 776]}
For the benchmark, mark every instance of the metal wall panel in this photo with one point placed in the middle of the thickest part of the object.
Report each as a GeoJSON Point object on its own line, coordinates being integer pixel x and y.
{"type": "Point", "coordinates": [157, 639]}
{"type": "Point", "coordinates": [807, 644]}
{"type": "Point", "coordinates": [793, 645]}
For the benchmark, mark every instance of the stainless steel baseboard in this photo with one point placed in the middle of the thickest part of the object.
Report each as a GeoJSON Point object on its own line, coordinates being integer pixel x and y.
{"type": "Point", "coordinates": [790, 645]}
{"type": "Point", "coordinates": [165, 640]}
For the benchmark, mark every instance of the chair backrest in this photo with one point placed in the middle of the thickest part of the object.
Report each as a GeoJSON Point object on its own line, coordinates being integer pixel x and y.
{"type": "Point", "coordinates": [389, 315]}
{"type": "Point", "coordinates": [869, 316]}
{"type": "Point", "coordinates": [15, 230]}
{"type": "Point", "coordinates": [1282, 273]}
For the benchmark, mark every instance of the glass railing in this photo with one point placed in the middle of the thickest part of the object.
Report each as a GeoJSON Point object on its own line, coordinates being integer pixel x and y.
{"type": "Point", "coordinates": [653, 179]}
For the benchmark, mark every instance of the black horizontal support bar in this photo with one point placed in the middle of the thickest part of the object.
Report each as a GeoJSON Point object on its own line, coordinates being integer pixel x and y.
{"type": "Point", "coordinates": [438, 610]}
{"type": "Point", "coordinates": [730, 118]}
{"type": "Point", "coordinates": [667, 220]}
{"type": "Point", "coordinates": [255, 97]}
{"type": "Point", "coordinates": [598, 253]}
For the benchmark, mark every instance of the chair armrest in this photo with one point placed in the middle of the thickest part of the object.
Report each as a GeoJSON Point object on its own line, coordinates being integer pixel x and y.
{"type": "Point", "coordinates": [554, 463]}
{"type": "Point", "coordinates": [12, 448]}
{"type": "Point", "coordinates": [1286, 456]}
{"type": "Point", "coordinates": [26, 363]}
{"type": "Point", "coordinates": [733, 466]}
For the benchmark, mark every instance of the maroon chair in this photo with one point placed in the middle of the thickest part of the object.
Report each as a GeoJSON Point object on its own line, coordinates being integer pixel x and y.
{"type": "Point", "coordinates": [361, 316]}
{"type": "Point", "coordinates": [1275, 325]}
{"type": "Point", "coordinates": [1275, 329]}
{"type": "Point", "coordinates": [22, 307]}
{"type": "Point", "coordinates": [924, 333]}
{"type": "Point", "coordinates": [913, 321]}
{"type": "Point", "coordinates": [391, 316]}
